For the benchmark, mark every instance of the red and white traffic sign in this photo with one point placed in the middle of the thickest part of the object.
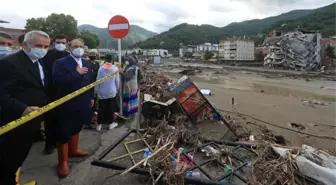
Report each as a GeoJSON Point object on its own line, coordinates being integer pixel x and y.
{"type": "Point", "coordinates": [118, 27]}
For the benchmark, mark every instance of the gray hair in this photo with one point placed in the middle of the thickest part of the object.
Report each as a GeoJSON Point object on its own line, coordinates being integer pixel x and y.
{"type": "Point", "coordinates": [5, 35]}
{"type": "Point", "coordinates": [30, 35]}
{"type": "Point", "coordinates": [77, 39]}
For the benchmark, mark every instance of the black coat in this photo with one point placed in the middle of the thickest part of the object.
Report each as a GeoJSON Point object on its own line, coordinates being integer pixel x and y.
{"type": "Point", "coordinates": [95, 67]}
{"type": "Point", "coordinates": [20, 87]}
{"type": "Point", "coordinates": [48, 62]}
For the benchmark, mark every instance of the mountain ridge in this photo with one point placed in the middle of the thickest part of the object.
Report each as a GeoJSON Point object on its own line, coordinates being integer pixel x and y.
{"type": "Point", "coordinates": [196, 34]}
{"type": "Point", "coordinates": [136, 34]}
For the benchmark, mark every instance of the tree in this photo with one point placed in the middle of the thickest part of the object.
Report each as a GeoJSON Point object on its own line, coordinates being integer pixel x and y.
{"type": "Point", "coordinates": [54, 24]}
{"type": "Point", "coordinates": [36, 24]}
{"type": "Point", "coordinates": [91, 40]}
{"type": "Point", "coordinates": [330, 52]}
{"type": "Point", "coordinates": [208, 55]}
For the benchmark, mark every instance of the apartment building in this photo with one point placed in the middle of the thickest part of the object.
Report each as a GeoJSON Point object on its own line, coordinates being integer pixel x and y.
{"type": "Point", "coordinates": [207, 47]}
{"type": "Point", "coordinates": [239, 49]}
{"type": "Point", "coordinates": [188, 48]}
{"type": "Point", "coordinates": [156, 52]}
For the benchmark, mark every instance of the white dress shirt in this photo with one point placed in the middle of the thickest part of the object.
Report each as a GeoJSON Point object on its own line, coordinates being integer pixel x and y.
{"type": "Point", "coordinates": [42, 76]}
{"type": "Point", "coordinates": [78, 60]}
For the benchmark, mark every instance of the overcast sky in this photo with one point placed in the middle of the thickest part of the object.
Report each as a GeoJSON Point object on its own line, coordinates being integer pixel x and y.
{"type": "Point", "coordinates": [154, 15]}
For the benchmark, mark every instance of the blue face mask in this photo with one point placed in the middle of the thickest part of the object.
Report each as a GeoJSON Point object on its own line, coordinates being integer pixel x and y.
{"type": "Point", "coordinates": [60, 47]}
{"type": "Point", "coordinates": [78, 52]}
{"type": "Point", "coordinates": [36, 53]}
{"type": "Point", "coordinates": [5, 51]}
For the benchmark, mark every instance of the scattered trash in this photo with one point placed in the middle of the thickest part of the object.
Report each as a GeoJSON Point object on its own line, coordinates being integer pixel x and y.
{"type": "Point", "coordinates": [194, 174]}
{"type": "Point", "coordinates": [314, 102]}
{"type": "Point", "coordinates": [206, 92]}
{"type": "Point", "coordinates": [297, 126]}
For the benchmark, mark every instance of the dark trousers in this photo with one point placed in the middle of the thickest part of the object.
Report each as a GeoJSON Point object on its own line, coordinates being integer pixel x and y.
{"type": "Point", "coordinates": [14, 149]}
{"type": "Point", "coordinates": [49, 128]}
{"type": "Point", "coordinates": [93, 110]}
{"type": "Point", "coordinates": [106, 110]}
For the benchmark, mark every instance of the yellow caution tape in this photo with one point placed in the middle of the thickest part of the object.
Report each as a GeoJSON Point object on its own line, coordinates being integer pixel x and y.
{"type": "Point", "coordinates": [24, 119]}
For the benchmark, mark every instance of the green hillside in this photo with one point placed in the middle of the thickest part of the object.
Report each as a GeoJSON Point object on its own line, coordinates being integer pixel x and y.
{"type": "Point", "coordinates": [136, 34]}
{"type": "Point", "coordinates": [322, 19]}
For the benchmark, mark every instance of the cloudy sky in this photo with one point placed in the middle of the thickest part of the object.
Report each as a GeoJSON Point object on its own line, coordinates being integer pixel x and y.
{"type": "Point", "coordinates": [154, 15]}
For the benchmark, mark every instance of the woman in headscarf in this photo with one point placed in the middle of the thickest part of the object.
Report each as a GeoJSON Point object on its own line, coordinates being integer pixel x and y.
{"type": "Point", "coordinates": [131, 77]}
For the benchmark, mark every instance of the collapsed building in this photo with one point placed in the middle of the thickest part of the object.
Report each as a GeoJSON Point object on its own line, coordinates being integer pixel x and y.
{"type": "Point", "coordinates": [298, 50]}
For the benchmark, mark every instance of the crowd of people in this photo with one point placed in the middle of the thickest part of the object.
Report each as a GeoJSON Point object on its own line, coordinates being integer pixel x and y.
{"type": "Point", "coordinates": [45, 70]}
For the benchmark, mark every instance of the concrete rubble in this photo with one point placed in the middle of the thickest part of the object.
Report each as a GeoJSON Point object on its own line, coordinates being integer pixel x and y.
{"type": "Point", "coordinates": [295, 50]}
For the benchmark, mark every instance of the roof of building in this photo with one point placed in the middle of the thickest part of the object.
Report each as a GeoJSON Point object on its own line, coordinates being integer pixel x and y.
{"type": "Point", "coordinates": [238, 38]}
{"type": "Point", "coordinates": [13, 31]}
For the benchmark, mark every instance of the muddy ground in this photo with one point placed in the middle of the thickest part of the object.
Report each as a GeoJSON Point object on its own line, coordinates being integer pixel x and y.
{"type": "Point", "coordinates": [280, 101]}
{"type": "Point", "coordinates": [296, 104]}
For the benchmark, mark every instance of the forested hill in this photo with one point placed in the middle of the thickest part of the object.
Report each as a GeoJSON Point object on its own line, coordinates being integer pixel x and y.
{"type": "Point", "coordinates": [322, 19]}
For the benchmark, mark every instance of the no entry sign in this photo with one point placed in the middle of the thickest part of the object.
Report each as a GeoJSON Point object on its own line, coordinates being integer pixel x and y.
{"type": "Point", "coordinates": [118, 27]}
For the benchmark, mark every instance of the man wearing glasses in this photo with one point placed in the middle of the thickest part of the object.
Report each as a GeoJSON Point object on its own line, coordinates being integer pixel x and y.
{"type": "Point", "coordinates": [60, 43]}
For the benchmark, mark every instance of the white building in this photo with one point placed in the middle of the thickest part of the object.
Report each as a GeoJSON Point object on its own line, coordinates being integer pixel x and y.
{"type": "Point", "coordinates": [240, 49]}
{"type": "Point", "coordinates": [155, 52]}
{"type": "Point", "coordinates": [207, 47]}
{"type": "Point", "coordinates": [185, 49]}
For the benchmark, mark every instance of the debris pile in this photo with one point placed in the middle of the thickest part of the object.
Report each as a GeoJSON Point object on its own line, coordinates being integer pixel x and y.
{"type": "Point", "coordinates": [269, 167]}
{"type": "Point", "coordinates": [295, 50]}
{"type": "Point", "coordinates": [154, 84]}
{"type": "Point", "coordinates": [171, 161]}
{"type": "Point", "coordinates": [168, 162]}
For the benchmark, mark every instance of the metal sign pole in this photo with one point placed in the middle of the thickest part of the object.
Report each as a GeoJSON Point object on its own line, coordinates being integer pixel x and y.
{"type": "Point", "coordinates": [121, 81]}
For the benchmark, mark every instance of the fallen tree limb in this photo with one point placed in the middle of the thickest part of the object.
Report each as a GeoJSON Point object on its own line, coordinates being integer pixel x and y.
{"type": "Point", "coordinates": [145, 159]}
{"type": "Point", "coordinates": [268, 123]}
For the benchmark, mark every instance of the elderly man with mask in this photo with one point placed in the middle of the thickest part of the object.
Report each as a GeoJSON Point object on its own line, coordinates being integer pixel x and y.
{"type": "Point", "coordinates": [58, 51]}
{"type": "Point", "coordinates": [69, 74]}
{"type": "Point", "coordinates": [22, 91]}
{"type": "Point", "coordinates": [6, 43]}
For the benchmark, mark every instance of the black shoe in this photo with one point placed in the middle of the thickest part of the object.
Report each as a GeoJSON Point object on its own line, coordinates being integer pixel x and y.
{"type": "Point", "coordinates": [49, 150]}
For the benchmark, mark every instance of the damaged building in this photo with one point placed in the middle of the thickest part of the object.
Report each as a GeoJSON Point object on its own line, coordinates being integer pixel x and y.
{"type": "Point", "coordinates": [299, 50]}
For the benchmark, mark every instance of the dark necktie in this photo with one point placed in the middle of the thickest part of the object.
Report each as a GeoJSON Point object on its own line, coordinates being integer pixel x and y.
{"type": "Point", "coordinates": [37, 66]}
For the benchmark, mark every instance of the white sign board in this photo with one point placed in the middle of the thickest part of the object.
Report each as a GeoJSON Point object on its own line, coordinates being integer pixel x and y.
{"type": "Point", "coordinates": [157, 59]}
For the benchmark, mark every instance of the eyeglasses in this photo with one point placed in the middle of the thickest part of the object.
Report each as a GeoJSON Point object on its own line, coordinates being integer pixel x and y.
{"type": "Point", "coordinates": [60, 42]}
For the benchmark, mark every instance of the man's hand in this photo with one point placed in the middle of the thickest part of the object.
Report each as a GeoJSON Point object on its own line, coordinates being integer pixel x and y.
{"type": "Point", "coordinates": [82, 70]}
{"type": "Point", "coordinates": [29, 110]}
{"type": "Point", "coordinates": [92, 103]}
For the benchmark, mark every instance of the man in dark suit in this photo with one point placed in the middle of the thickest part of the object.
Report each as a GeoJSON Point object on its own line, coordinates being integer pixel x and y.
{"type": "Point", "coordinates": [60, 43]}
{"type": "Point", "coordinates": [69, 74]}
{"type": "Point", "coordinates": [22, 91]}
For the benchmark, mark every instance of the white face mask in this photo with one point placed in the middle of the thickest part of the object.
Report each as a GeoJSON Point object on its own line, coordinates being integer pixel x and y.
{"type": "Point", "coordinates": [78, 52]}
{"type": "Point", "coordinates": [60, 47]}
{"type": "Point", "coordinates": [36, 53]}
{"type": "Point", "coordinates": [5, 51]}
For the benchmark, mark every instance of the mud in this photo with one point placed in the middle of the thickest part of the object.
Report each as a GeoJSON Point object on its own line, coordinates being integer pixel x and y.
{"type": "Point", "coordinates": [279, 101]}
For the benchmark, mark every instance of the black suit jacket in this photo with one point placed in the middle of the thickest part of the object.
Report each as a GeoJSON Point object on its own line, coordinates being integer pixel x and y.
{"type": "Point", "coordinates": [20, 86]}
{"type": "Point", "coordinates": [48, 62]}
